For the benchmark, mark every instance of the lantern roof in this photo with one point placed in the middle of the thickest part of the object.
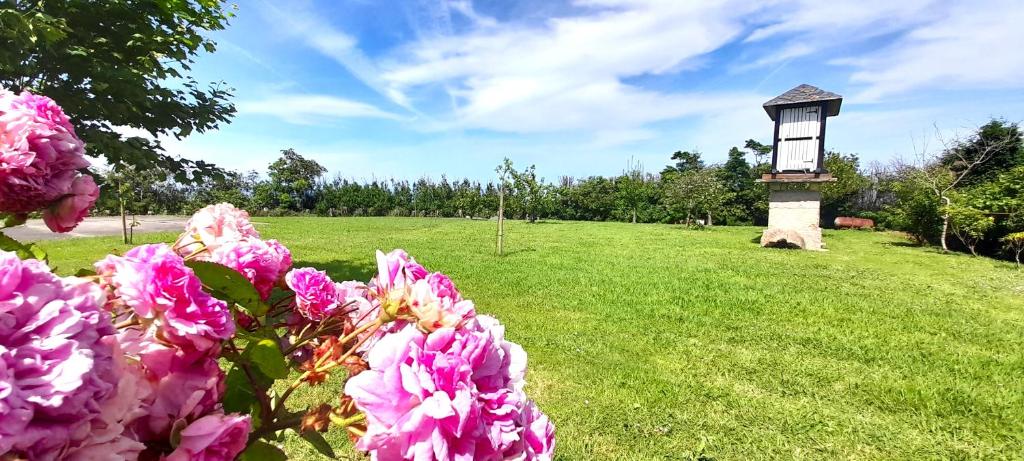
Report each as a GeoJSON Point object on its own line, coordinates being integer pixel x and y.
{"type": "Point", "coordinates": [804, 94]}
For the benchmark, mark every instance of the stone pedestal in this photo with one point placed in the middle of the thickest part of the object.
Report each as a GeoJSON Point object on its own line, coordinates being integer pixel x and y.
{"type": "Point", "coordinates": [794, 211]}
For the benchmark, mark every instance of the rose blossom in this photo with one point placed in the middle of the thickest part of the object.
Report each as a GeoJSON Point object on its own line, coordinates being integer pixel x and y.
{"type": "Point", "coordinates": [184, 384]}
{"type": "Point", "coordinates": [538, 436]}
{"type": "Point", "coordinates": [64, 214]}
{"type": "Point", "coordinates": [54, 365]}
{"type": "Point", "coordinates": [109, 437]}
{"type": "Point", "coordinates": [40, 156]}
{"type": "Point", "coordinates": [263, 263]}
{"type": "Point", "coordinates": [214, 226]}
{"type": "Point", "coordinates": [435, 303]}
{"type": "Point", "coordinates": [396, 272]}
{"type": "Point", "coordinates": [155, 283]}
{"type": "Point", "coordinates": [215, 437]}
{"type": "Point", "coordinates": [316, 295]}
{"type": "Point", "coordinates": [449, 394]}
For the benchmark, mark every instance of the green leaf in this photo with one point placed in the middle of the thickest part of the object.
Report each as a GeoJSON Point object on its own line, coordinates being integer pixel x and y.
{"type": "Point", "coordinates": [238, 393]}
{"type": "Point", "coordinates": [263, 451]}
{"type": "Point", "coordinates": [317, 441]}
{"type": "Point", "coordinates": [227, 284]}
{"type": "Point", "coordinates": [11, 220]}
{"type": "Point", "coordinates": [30, 251]}
{"type": "Point", "coordinates": [266, 355]}
{"type": "Point", "coordinates": [37, 252]}
{"type": "Point", "coordinates": [83, 272]}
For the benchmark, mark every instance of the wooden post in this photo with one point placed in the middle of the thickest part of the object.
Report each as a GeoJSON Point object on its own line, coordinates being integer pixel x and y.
{"type": "Point", "coordinates": [501, 218]}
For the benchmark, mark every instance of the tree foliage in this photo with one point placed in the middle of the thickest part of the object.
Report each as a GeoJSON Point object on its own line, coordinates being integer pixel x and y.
{"type": "Point", "coordinates": [292, 178]}
{"type": "Point", "coordinates": [117, 64]}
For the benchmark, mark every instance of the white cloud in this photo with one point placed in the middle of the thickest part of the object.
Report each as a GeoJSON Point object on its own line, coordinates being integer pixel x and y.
{"type": "Point", "coordinates": [973, 46]}
{"type": "Point", "coordinates": [320, 35]}
{"type": "Point", "coordinates": [311, 109]}
{"type": "Point", "coordinates": [571, 73]}
{"type": "Point", "coordinates": [567, 73]}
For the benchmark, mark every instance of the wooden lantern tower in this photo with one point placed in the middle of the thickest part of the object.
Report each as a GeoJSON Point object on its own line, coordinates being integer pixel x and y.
{"type": "Point", "coordinates": [798, 166]}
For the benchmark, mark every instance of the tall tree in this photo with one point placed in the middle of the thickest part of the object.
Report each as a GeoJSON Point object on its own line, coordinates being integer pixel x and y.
{"type": "Point", "coordinates": [762, 152]}
{"type": "Point", "coordinates": [1001, 142]}
{"type": "Point", "coordinates": [116, 64]}
{"type": "Point", "coordinates": [684, 161]}
{"type": "Point", "coordinates": [293, 177]}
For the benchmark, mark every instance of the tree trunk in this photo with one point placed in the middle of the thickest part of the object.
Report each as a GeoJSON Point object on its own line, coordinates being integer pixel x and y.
{"type": "Point", "coordinates": [709, 219]}
{"type": "Point", "coordinates": [945, 223]}
{"type": "Point", "coordinates": [124, 222]}
{"type": "Point", "coordinates": [634, 215]}
{"type": "Point", "coordinates": [501, 220]}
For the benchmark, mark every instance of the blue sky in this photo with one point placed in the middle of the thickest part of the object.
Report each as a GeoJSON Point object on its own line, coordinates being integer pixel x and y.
{"type": "Point", "coordinates": [391, 89]}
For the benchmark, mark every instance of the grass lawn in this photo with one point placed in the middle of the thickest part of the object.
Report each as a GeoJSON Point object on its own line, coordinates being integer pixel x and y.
{"type": "Point", "coordinates": [654, 342]}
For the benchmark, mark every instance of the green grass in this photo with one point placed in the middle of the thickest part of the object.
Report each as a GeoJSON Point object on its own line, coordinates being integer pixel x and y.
{"type": "Point", "coordinates": [654, 342]}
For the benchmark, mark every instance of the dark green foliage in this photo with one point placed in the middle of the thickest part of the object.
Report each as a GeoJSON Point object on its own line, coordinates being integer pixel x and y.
{"type": "Point", "coordinates": [119, 63]}
{"type": "Point", "coordinates": [839, 198]}
{"type": "Point", "coordinates": [292, 178]}
{"type": "Point", "coordinates": [1007, 151]}
{"type": "Point", "coordinates": [685, 161]}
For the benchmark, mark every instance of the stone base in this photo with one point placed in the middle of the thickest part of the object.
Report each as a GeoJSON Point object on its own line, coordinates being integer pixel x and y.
{"type": "Point", "coordinates": [807, 239]}
{"type": "Point", "coordinates": [794, 212]}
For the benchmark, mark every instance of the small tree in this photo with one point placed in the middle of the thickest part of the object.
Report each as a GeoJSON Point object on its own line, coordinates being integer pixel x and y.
{"type": "Point", "coordinates": [968, 224]}
{"type": "Point", "coordinates": [631, 187]}
{"type": "Point", "coordinates": [1014, 243]}
{"type": "Point", "coordinates": [697, 191]}
{"type": "Point", "coordinates": [505, 172]}
{"type": "Point", "coordinates": [960, 158]}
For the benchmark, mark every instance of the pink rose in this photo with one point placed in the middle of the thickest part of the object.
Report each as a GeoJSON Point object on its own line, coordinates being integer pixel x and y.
{"type": "Point", "coordinates": [263, 263]}
{"type": "Point", "coordinates": [214, 226]}
{"type": "Point", "coordinates": [155, 284]}
{"type": "Point", "coordinates": [40, 159]}
{"type": "Point", "coordinates": [316, 295]}
{"type": "Point", "coordinates": [184, 384]}
{"type": "Point", "coordinates": [435, 303]}
{"type": "Point", "coordinates": [449, 394]}
{"type": "Point", "coordinates": [65, 214]}
{"type": "Point", "coordinates": [215, 437]}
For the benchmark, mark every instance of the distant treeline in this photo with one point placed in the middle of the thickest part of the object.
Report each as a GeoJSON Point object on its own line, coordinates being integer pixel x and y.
{"type": "Point", "coordinates": [970, 192]}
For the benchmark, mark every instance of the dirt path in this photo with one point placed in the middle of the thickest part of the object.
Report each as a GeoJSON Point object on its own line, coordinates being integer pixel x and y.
{"type": "Point", "coordinates": [35, 230]}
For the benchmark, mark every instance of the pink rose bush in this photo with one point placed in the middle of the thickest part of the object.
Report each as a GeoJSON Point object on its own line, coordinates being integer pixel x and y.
{"type": "Point", "coordinates": [142, 360]}
{"type": "Point", "coordinates": [40, 159]}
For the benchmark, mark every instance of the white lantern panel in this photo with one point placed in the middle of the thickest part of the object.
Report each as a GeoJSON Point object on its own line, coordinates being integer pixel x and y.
{"type": "Point", "coordinates": [799, 138]}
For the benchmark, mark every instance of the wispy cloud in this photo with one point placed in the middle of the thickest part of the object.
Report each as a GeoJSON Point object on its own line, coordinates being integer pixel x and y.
{"type": "Point", "coordinates": [320, 35]}
{"type": "Point", "coordinates": [306, 109]}
{"type": "Point", "coordinates": [972, 46]}
{"type": "Point", "coordinates": [567, 73]}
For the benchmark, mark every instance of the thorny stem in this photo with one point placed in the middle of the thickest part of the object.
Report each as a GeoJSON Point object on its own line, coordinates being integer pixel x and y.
{"type": "Point", "coordinates": [319, 365]}
{"type": "Point", "coordinates": [272, 428]}
{"type": "Point", "coordinates": [345, 422]}
{"type": "Point", "coordinates": [127, 323]}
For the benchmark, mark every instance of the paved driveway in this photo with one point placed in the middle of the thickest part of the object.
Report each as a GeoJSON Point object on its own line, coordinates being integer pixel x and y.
{"type": "Point", "coordinates": [35, 230]}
